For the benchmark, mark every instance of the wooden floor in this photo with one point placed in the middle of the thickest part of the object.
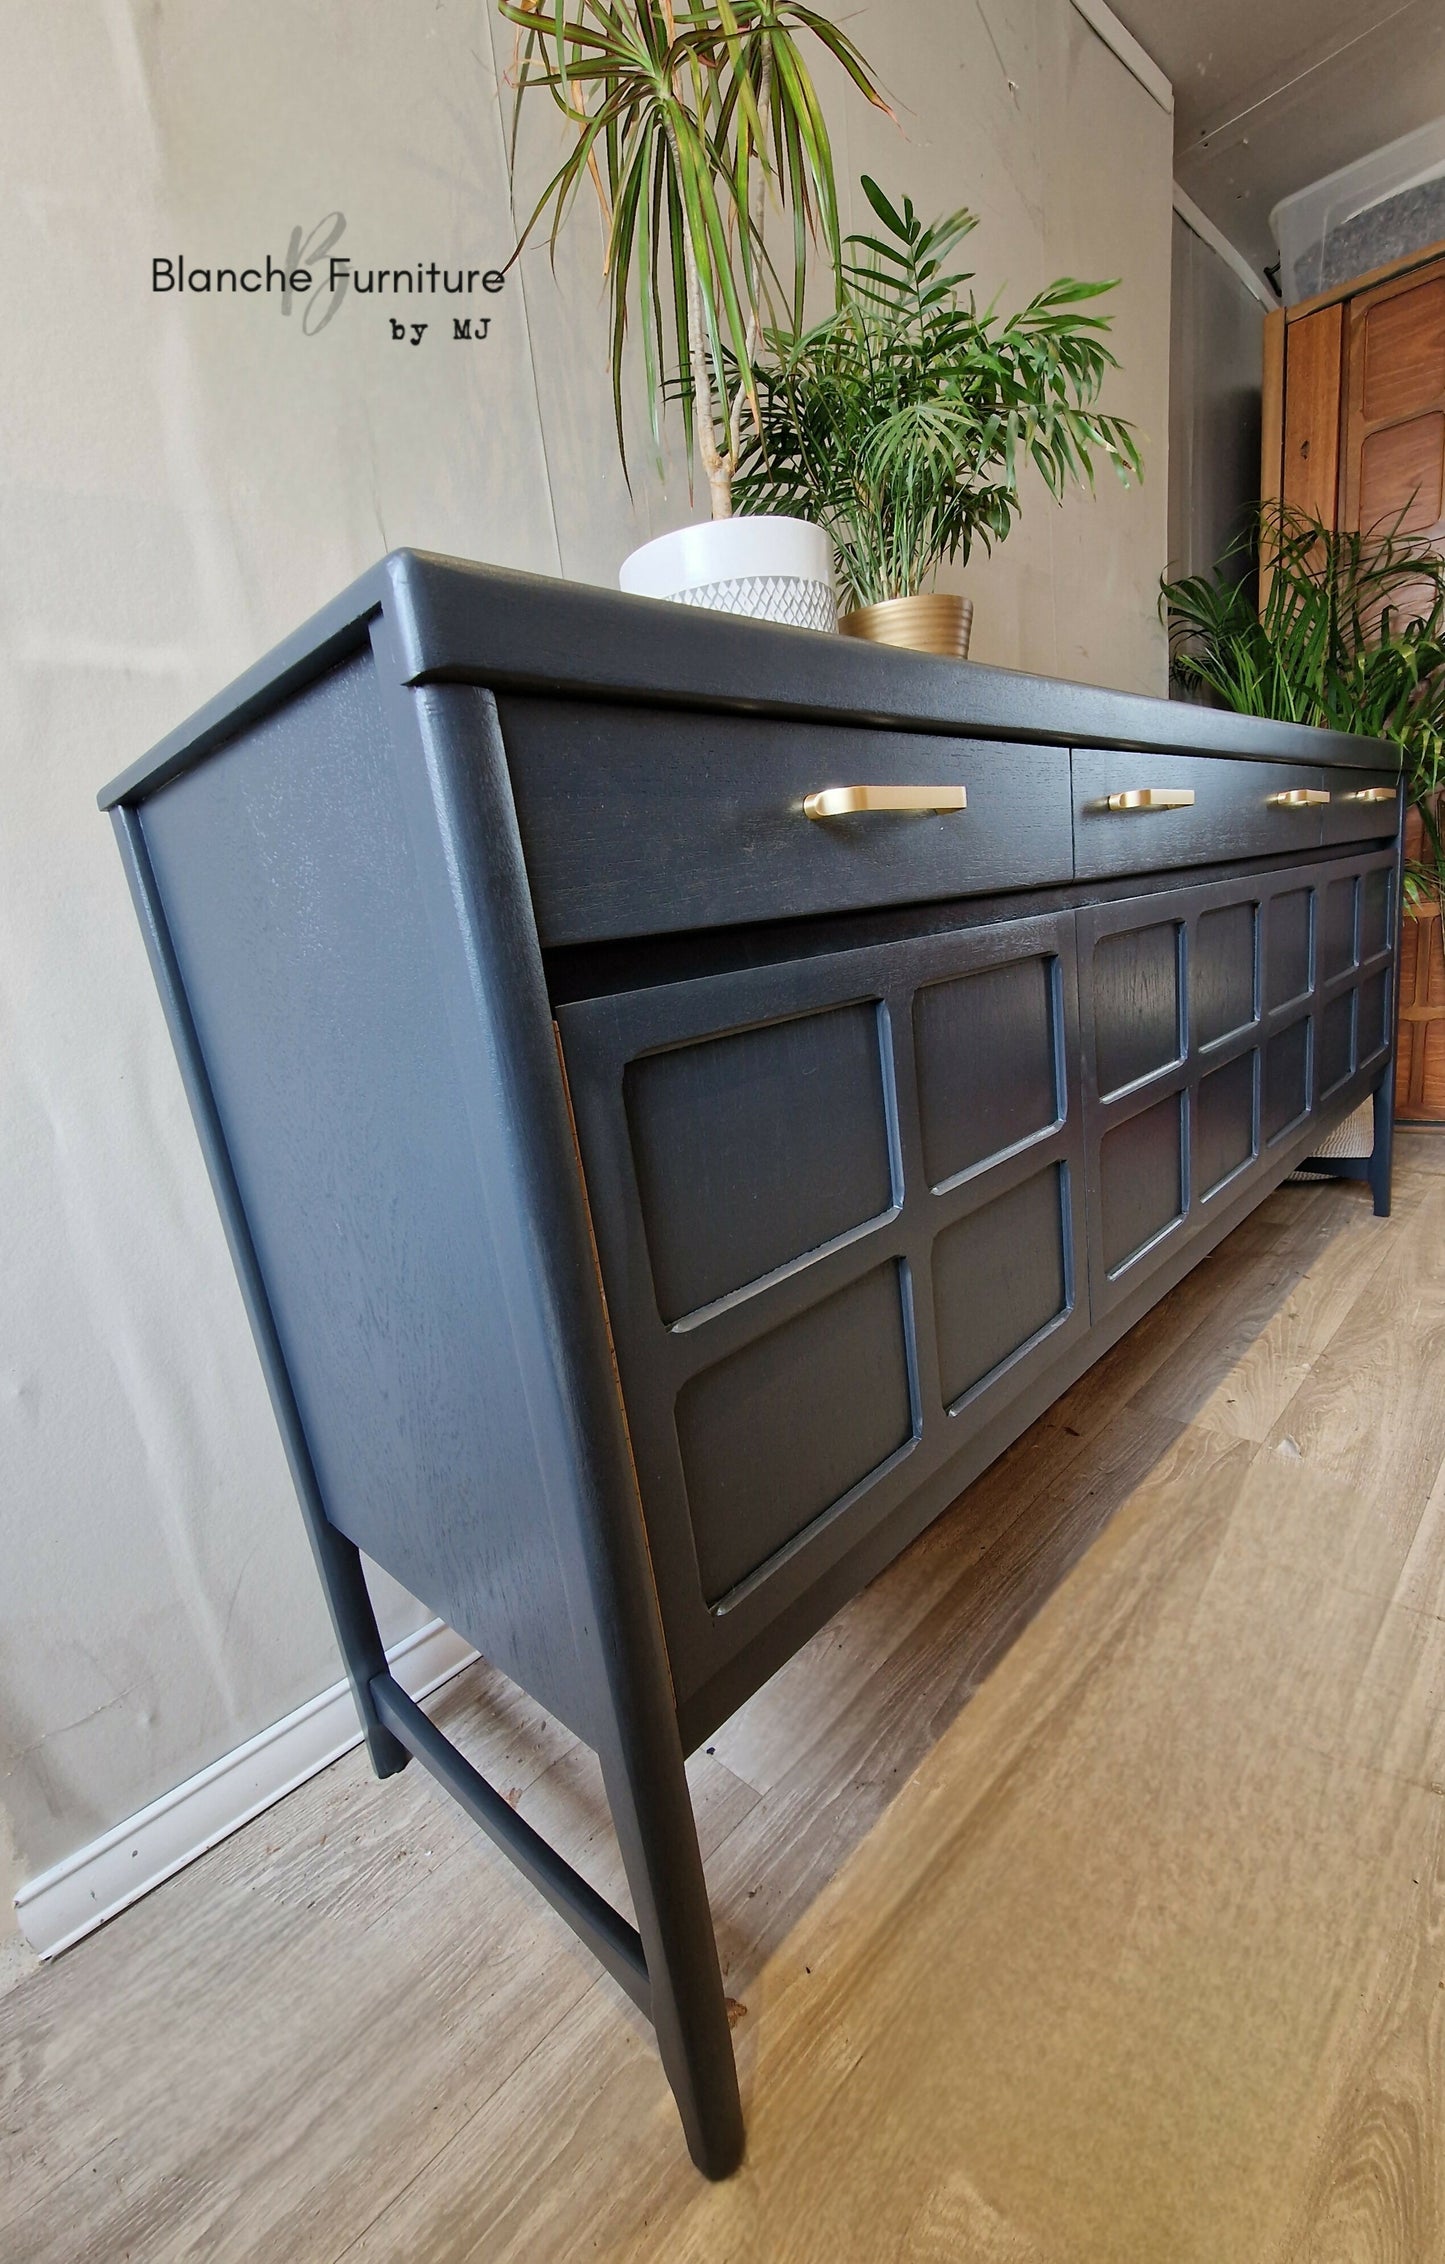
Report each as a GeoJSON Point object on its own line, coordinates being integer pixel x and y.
{"type": "Point", "coordinates": [1083, 1884]}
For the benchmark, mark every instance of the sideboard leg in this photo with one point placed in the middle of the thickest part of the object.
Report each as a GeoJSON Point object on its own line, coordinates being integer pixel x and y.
{"type": "Point", "coordinates": [1382, 1152]}
{"type": "Point", "coordinates": [343, 1578]}
{"type": "Point", "coordinates": [652, 1812]}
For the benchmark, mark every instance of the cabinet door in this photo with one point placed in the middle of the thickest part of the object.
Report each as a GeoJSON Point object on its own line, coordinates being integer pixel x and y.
{"type": "Point", "coordinates": [1218, 1023]}
{"type": "Point", "coordinates": [838, 1211]}
{"type": "Point", "coordinates": [1394, 464]}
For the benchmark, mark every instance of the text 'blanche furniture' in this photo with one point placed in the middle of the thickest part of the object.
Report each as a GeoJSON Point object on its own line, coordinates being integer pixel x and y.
{"type": "Point", "coordinates": [684, 1095]}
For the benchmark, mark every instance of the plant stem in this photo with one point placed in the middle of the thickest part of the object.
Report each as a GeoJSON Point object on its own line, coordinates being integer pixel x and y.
{"type": "Point", "coordinates": [719, 468]}
{"type": "Point", "coordinates": [759, 196]}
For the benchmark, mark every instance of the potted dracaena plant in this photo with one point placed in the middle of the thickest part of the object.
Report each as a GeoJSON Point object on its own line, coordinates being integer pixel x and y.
{"type": "Point", "coordinates": [902, 421]}
{"type": "Point", "coordinates": [688, 118]}
{"type": "Point", "coordinates": [1346, 629]}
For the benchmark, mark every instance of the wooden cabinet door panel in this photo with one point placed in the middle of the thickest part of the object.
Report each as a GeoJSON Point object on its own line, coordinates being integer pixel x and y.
{"type": "Point", "coordinates": [1312, 381]}
{"type": "Point", "coordinates": [1402, 349]}
{"type": "Point", "coordinates": [1393, 470]}
{"type": "Point", "coordinates": [1400, 474]}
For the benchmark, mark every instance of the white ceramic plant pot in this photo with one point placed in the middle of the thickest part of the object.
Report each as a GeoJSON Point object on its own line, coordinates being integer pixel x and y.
{"type": "Point", "coordinates": [768, 569]}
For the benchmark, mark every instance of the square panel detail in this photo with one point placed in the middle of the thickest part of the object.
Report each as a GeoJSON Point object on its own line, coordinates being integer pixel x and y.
{"type": "Point", "coordinates": [1286, 1078]}
{"type": "Point", "coordinates": [1222, 973]}
{"type": "Point", "coordinates": [986, 1046]}
{"type": "Point", "coordinates": [1136, 1005]}
{"type": "Point", "coordinates": [1402, 474]}
{"type": "Point", "coordinates": [1374, 912]}
{"type": "Point", "coordinates": [1404, 355]}
{"type": "Point", "coordinates": [999, 1276]}
{"type": "Point", "coordinates": [1141, 1180]}
{"type": "Point", "coordinates": [1337, 927]}
{"type": "Point", "coordinates": [1224, 1137]}
{"type": "Point", "coordinates": [1337, 1042]}
{"type": "Point", "coordinates": [1373, 1025]}
{"type": "Point", "coordinates": [753, 1149]}
{"type": "Point", "coordinates": [777, 1433]}
{"type": "Point", "coordinates": [1288, 958]}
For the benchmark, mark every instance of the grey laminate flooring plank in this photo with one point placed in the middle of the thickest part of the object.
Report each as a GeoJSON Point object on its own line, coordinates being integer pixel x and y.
{"type": "Point", "coordinates": [1084, 1881]}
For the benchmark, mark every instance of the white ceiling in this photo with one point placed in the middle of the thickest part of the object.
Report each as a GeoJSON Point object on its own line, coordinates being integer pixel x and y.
{"type": "Point", "coordinates": [1273, 94]}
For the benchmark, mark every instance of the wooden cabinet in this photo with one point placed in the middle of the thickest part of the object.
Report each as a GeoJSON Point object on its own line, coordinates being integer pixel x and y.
{"type": "Point", "coordinates": [1393, 421]}
{"type": "Point", "coordinates": [1354, 425]}
{"type": "Point", "coordinates": [1354, 433]}
{"type": "Point", "coordinates": [1308, 475]}
{"type": "Point", "coordinates": [654, 1204]}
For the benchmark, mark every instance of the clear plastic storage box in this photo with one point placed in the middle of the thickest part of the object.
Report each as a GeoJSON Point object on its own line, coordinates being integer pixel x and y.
{"type": "Point", "coordinates": [1305, 223]}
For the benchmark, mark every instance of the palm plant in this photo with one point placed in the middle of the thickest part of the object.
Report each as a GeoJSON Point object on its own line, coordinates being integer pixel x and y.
{"type": "Point", "coordinates": [902, 421]}
{"type": "Point", "coordinates": [683, 114]}
{"type": "Point", "coordinates": [1350, 634]}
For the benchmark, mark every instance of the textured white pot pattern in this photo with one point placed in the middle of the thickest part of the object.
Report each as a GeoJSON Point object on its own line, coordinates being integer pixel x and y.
{"type": "Point", "coordinates": [768, 569]}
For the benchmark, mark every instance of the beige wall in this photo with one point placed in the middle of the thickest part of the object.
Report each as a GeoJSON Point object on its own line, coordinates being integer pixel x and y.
{"type": "Point", "coordinates": [1216, 368]}
{"type": "Point", "coordinates": [180, 483]}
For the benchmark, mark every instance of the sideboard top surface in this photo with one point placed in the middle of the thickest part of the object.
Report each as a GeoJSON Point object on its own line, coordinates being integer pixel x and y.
{"type": "Point", "coordinates": [450, 620]}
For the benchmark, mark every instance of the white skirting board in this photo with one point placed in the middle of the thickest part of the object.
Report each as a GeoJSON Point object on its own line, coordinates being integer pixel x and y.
{"type": "Point", "coordinates": [90, 1886]}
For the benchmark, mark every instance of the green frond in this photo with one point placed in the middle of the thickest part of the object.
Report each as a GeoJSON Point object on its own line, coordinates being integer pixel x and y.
{"type": "Point", "coordinates": [1350, 635]}
{"type": "Point", "coordinates": [681, 116]}
{"type": "Point", "coordinates": [902, 422]}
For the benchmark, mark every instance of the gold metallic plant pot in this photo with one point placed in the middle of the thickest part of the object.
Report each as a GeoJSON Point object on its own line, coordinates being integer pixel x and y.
{"type": "Point", "coordinates": [937, 623]}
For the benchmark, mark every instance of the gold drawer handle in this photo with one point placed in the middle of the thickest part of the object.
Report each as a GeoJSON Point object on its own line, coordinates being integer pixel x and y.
{"type": "Point", "coordinates": [1299, 798]}
{"type": "Point", "coordinates": [1373, 794]}
{"type": "Point", "coordinates": [848, 801]}
{"type": "Point", "coordinates": [1153, 798]}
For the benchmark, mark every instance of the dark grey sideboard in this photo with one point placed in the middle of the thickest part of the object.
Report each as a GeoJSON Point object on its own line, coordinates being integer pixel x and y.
{"type": "Point", "coordinates": [661, 1173]}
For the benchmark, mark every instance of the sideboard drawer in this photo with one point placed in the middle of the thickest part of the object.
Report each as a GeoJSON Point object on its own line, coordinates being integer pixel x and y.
{"type": "Point", "coordinates": [1364, 805]}
{"type": "Point", "coordinates": [1235, 809]}
{"type": "Point", "coordinates": [646, 821]}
